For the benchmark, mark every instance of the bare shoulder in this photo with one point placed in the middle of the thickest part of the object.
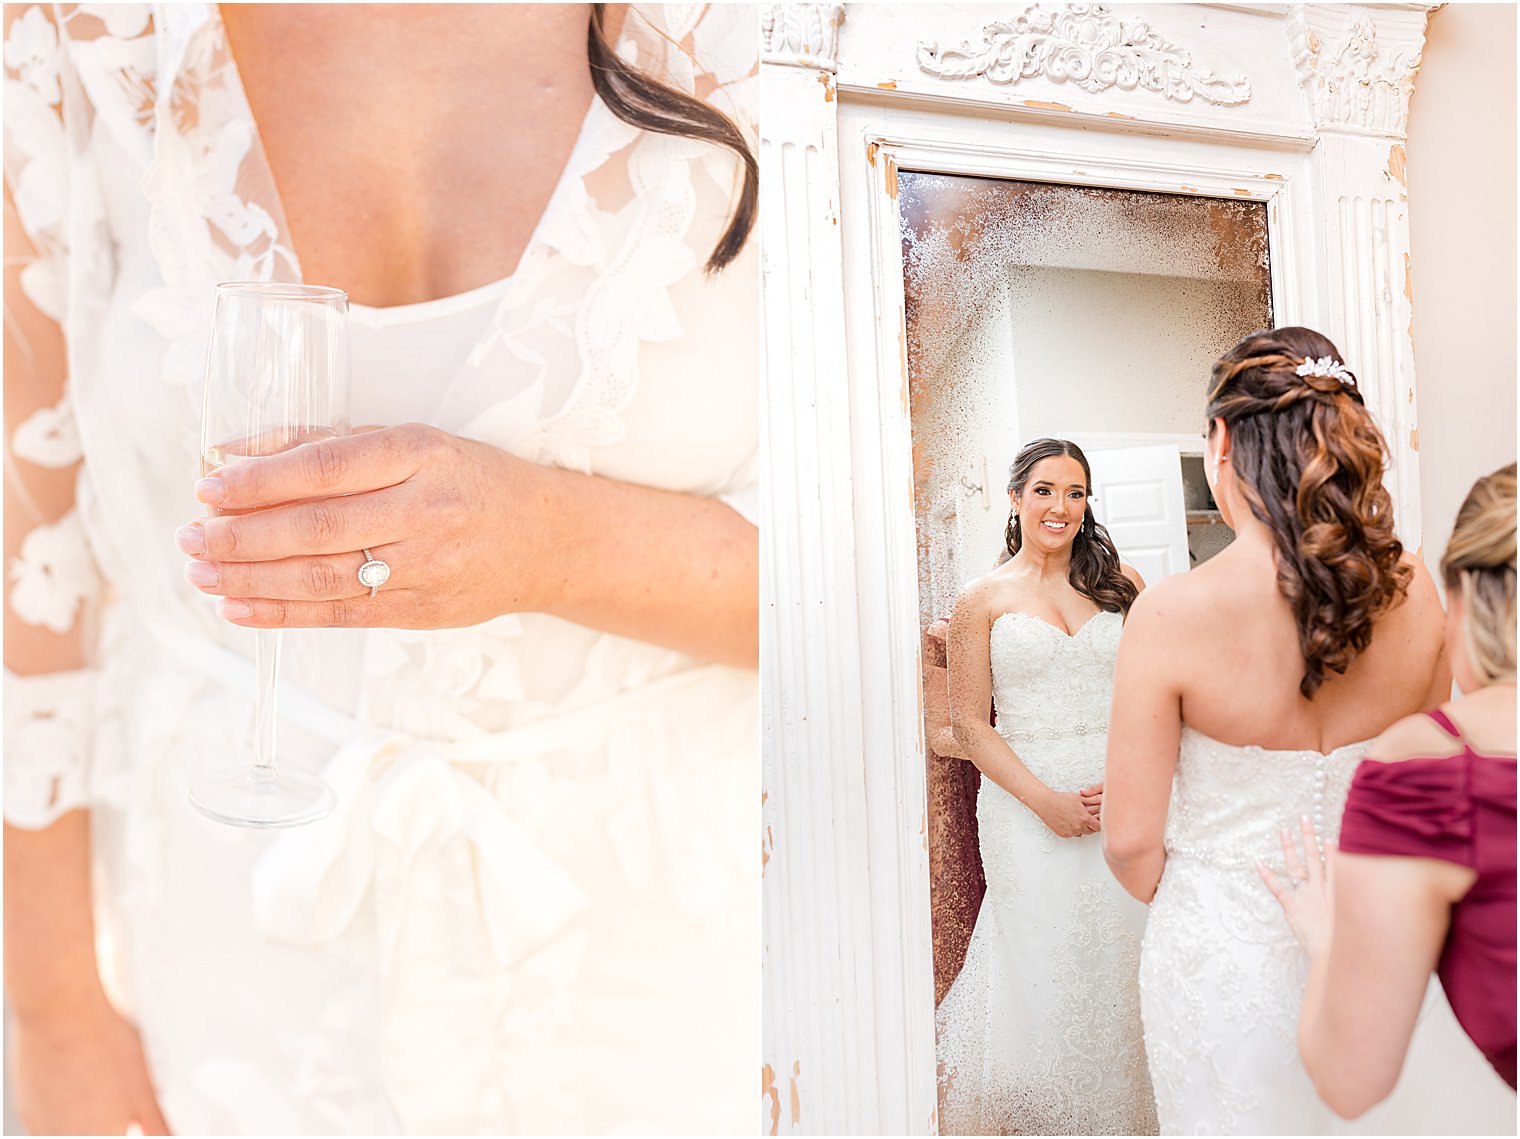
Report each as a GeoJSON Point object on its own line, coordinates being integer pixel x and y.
{"type": "Point", "coordinates": [1133, 574]}
{"type": "Point", "coordinates": [1416, 736]}
{"type": "Point", "coordinates": [976, 593]}
{"type": "Point", "coordinates": [1174, 597]}
{"type": "Point", "coordinates": [1419, 616]}
{"type": "Point", "coordinates": [1422, 593]}
{"type": "Point", "coordinates": [978, 598]}
{"type": "Point", "coordinates": [997, 588]}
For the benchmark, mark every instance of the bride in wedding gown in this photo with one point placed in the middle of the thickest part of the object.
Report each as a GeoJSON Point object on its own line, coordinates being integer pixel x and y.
{"type": "Point", "coordinates": [1246, 692]}
{"type": "Point", "coordinates": [1040, 1033]}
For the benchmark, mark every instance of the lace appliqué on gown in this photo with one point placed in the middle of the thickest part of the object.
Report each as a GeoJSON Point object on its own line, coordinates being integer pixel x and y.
{"type": "Point", "coordinates": [1222, 976]}
{"type": "Point", "coordinates": [1040, 1033]}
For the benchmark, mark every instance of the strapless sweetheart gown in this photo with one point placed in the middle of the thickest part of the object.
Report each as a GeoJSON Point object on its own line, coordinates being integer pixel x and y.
{"type": "Point", "coordinates": [1040, 1033]}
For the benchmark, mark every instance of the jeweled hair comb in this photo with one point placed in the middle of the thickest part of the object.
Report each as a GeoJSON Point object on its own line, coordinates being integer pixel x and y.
{"type": "Point", "coordinates": [1326, 366]}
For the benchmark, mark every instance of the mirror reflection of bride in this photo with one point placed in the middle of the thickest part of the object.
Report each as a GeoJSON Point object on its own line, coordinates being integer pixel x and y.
{"type": "Point", "coordinates": [1040, 1032]}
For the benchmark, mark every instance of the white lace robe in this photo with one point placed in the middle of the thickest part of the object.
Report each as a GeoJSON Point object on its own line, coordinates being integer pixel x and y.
{"type": "Point", "coordinates": [534, 907]}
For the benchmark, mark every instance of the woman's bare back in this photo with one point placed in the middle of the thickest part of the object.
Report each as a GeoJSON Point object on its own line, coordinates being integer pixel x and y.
{"type": "Point", "coordinates": [1238, 662]}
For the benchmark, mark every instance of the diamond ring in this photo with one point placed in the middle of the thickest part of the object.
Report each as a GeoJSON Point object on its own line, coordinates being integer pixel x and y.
{"type": "Point", "coordinates": [373, 573]}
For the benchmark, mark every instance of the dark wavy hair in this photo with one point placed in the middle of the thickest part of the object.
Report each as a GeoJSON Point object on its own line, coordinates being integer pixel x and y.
{"type": "Point", "coordinates": [1094, 571]}
{"type": "Point", "coordinates": [644, 102]}
{"type": "Point", "coordinates": [1310, 463]}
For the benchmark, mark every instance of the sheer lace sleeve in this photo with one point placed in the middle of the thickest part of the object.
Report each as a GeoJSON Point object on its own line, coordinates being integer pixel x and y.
{"type": "Point", "coordinates": [50, 576]}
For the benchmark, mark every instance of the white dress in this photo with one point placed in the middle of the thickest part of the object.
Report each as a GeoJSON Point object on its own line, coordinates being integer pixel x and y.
{"type": "Point", "coordinates": [1222, 976]}
{"type": "Point", "coordinates": [1040, 1032]}
{"type": "Point", "coordinates": [534, 908]}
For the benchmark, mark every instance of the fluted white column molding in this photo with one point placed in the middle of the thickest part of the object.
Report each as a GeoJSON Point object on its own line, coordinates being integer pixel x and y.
{"type": "Point", "coordinates": [1357, 67]}
{"type": "Point", "coordinates": [819, 1073]}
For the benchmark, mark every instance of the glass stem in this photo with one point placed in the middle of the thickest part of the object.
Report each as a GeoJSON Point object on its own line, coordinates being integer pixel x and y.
{"type": "Point", "coordinates": [266, 661]}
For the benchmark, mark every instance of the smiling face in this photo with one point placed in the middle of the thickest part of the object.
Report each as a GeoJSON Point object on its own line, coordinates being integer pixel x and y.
{"type": "Point", "coordinates": [1053, 503]}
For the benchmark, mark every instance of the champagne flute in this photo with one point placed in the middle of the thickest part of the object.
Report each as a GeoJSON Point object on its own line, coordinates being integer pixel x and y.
{"type": "Point", "coordinates": [277, 376]}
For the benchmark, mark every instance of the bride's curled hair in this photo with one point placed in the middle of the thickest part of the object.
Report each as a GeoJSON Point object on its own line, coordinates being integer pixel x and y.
{"type": "Point", "coordinates": [1480, 564]}
{"type": "Point", "coordinates": [1310, 463]}
{"type": "Point", "coordinates": [1094, 571]}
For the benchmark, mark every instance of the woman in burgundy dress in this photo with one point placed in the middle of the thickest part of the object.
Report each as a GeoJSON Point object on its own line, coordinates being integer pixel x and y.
{"type": "Point", "coordinates": [1425, 877]}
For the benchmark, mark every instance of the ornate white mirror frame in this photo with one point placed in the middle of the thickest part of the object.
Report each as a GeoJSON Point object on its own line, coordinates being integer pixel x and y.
{"type": "Point", "coordinates": [1302, 107]}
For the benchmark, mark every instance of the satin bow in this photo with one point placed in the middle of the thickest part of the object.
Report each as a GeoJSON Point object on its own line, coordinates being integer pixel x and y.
{"type": "Point", "coordinates": [460, 892]}
{"type": "Point", "coordinates": [404, 810]}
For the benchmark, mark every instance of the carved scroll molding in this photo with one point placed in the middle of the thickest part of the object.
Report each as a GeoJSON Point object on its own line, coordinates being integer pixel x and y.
{"type": "Point", "coordinates": [1358, 75]}
{"type": "Point", "coordinates": [801, 35]}
{"type": "Point", "coordinates": [1090, 45]}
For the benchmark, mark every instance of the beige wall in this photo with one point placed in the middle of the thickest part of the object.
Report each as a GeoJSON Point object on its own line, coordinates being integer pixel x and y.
{"type": "Point", "coordinates": [1462, 221]}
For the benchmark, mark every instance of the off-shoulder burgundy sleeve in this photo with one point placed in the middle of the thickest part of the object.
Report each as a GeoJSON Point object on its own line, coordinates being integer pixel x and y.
{"type": "Point", "coordinates": [1416, 807]}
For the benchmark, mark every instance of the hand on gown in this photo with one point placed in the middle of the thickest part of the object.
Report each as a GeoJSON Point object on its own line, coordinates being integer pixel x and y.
{"type": "Point", "coordinates": [82, 1074]}
{"type": "Point", "coordinates": [465, 528]}
{"type": "Point", "coordinates": [1065, 813]}
{"type": "Point", "coordinates": [1092, 799]}
{"type": "Point", "coordinates": [1306, 894]}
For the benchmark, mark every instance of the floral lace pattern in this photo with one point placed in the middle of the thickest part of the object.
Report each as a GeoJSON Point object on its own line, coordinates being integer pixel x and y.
{"type": "Point", "coordinates": [1221, 975]}
{"type": "Point", "coordinates": [1040, 1033]}
{"type": "Point", "coordinates": [53, 575]}
{"type": "Point", "coordinates": [48, 725]}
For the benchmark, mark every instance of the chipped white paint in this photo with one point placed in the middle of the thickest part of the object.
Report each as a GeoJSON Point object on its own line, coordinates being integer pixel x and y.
{"type": "Point", "coordinates": [1358, 67]}
{"type": "Point", "coordinates": [847, 958]}
{"type": "Point", "coordinates": [801, 35]}
{"type": "Point", "coordinates": [1358, 78]}
{"type": "Point", "coordinates": [817, 953]}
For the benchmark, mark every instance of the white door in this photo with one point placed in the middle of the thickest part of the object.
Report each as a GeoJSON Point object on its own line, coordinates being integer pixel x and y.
{"type": "Point", "coordinates": [1137, 494]}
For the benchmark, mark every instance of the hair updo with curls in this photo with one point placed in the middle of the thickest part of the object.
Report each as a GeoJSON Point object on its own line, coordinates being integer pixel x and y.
{"type": "Point", "coordinates": [1480, 562]}
{"type": "Point", "coordinates": [1094, 571]}
{"type": "Point", "coordinates": [1310, 463]}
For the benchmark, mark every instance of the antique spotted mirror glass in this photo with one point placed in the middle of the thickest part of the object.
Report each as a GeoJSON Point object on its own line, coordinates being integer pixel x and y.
{"type": "Point", "coordinates": [1083, 313]}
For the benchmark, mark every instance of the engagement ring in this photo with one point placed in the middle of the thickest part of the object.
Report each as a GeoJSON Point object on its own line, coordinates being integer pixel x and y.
{"type": "Point", "coordinates": [373, 573]}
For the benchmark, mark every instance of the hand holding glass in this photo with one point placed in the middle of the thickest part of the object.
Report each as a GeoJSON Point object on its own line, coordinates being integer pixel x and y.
{"type": "Point", "coordinates": [277, 376]}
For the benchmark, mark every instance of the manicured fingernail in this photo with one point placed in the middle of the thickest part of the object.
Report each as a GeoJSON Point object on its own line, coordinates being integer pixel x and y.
{"type": "Point", "coordinates": [233, 610]}
{"type": "Point", "coordinates": [211, 490]}
{"type": "Point", "coordinates": [191, 539]}
{"type": "Point", "coordinates": [202, 573]}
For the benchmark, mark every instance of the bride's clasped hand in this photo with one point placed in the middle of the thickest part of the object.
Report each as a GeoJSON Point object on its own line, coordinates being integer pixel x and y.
{"type": "Point", "coordinates": [1069, 814]}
